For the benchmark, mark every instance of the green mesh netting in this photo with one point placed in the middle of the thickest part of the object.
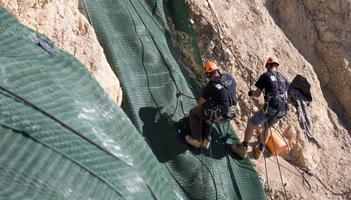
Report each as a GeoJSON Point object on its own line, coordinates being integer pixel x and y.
{"type": "Point", "coordinates": [61, 137]}
{"type": "Point", "coordinates": [135, 37]}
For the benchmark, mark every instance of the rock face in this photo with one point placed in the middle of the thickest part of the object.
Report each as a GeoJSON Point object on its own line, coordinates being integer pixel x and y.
{"type": "Point", "coordinates": [61, 21]}
{"type": "Point", "coordinates": [321, 31]}
{"type": "Point", "coordinates": [309, 37]}
{"type": "Point", "coordinates": [241, 35]}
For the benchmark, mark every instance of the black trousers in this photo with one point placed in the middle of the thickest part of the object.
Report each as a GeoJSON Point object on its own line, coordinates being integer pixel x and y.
{"type": "Point", "coordinates": [200, 129]}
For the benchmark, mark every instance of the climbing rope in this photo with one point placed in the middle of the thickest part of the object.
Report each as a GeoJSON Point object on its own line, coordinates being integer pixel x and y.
{"type": "Point", "coordinates": [305, 181]}
{"type": "Point", "coordinates": [204, 165]}
{"type": "Point", "coordinates": [188, 194]}
{"type": "Point", "coordinates": [225, 142]}
{"type": "Point", "coordinates": [180, 101]}
{"type": "Point", "coordinates": [164, 58]}
{"type": "Point", "coordinates": [266, 184]}
{"type": "Point", "coordinates": [210, 172]}
{"type": "Point", "coordinates": [303, 172]}
{"type": "Point", "coordinates": [221, 38]}
{"type": "Point", "coordinates": [142, 61]}
{"type": "Point", "coordinates": [86, 11]}
{"type": "Point", "coordinates": [308, 186]}
{"type": "Point", "coordinates": [220, 35]}
{"type": "Point", "coordinates": [328, 188]}
{"type": "Point", "coordinates": [218, 24]}
{"type": "Point", "coordinates": [175, 179]}
{"type": "Point", "coordinates": [211, 158]}
{"type": "Point", "coordinates": [280, 172]}
{"type": "Point", "coordinates": [179, 93]}
{"type": "Point", "coordinates": [165, 61]}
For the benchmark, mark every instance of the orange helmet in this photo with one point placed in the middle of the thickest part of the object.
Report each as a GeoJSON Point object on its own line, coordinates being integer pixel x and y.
{"type": "Point", "coordinates": [210, 66]}
{"type": "Point", "coordinates": [272, 60]}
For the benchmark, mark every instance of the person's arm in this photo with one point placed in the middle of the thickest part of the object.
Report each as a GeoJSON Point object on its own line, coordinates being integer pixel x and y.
{"type": "Point", "coordinates": [206, 94]}
{"type": "Point", "coordinates": [257, 92]}
{"type": "Point", "coordinates": [287, 85]}
{"type": "Point", "coordinates": [201, 101]}
{"type": "Point", "coordinates": [262, 81]}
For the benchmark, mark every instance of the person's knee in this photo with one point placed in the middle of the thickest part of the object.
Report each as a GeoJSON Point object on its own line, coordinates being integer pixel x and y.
{"type": "Point", "coordinates": [273, 121]}
{"type": "Point", "coordinates": [258, 118]}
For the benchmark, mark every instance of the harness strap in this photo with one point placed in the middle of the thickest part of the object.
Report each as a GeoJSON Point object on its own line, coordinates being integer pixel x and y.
{"type": "Point", "coordinates": [279, 84]}
{"type": "Point", "coordinates": [215, 112]}
{"type": "Point", "coordinates": [230, 97]}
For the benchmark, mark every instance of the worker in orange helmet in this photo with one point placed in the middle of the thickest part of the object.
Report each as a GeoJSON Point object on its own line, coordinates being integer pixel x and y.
{"type": "Point", "coordinates": [275, 87]}
{"type": "Point", "coordinates": [216, 104]}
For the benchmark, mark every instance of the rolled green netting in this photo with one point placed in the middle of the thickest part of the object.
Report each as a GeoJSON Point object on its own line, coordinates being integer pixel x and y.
{"type": "Point", "coordinates": [61, 137]}
{"type": "Point", "coordinates": [136, 41]}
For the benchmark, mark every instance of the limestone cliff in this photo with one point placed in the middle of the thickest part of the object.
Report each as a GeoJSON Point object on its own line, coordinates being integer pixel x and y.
{"type": "Point", "coordinates": [321, 31]}
{"type": "Point", "coordinates": [240, 35]}
{"type": "Point", "coordinates": [61, 21]}
{"type": "Point", "coordinates": [309, 37]}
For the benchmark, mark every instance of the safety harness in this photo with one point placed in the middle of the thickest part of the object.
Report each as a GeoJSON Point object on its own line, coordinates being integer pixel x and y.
{"type": "Point", "coordinates": [221, 113]}
{"type": "Point", "coordinates": [277, 99]}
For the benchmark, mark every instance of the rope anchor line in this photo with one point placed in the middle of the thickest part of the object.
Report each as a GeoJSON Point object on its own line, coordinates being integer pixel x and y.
{"type": "Point", "coordinates": [308, 186]}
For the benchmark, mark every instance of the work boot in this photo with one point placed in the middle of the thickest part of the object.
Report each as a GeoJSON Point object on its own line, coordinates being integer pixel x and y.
{"type": "Point", "coordinates": [258, 151]}
{"type": "Point", "coordinates": [239, 150]}
{"type": "Point", "coordinates": [193, 142]}
{"type": "Point", "coordinates": [206, 143]}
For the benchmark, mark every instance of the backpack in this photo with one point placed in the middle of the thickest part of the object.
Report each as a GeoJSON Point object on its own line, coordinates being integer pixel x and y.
{"type": "Point", "coordinates": [302, 85]}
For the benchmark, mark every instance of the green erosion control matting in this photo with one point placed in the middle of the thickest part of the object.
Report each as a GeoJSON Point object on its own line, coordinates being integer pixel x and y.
{"type": "Point", "coordinates": [61, 137]}
{"type": "Point", "coordinates": [136, 42]}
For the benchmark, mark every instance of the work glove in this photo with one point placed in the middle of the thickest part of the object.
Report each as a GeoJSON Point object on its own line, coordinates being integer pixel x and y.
{"type": "Point", "coordinates": [250, 93]}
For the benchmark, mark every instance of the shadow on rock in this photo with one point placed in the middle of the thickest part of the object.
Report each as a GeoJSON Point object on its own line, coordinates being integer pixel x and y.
{"type": "Point", "coordinates": [166, 136]}
{"type": "Point", "coordinates": [163, 134]}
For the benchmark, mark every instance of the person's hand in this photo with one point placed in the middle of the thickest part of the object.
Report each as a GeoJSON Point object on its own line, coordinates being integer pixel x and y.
{"type": "Point", "coordinates": [250, 93]}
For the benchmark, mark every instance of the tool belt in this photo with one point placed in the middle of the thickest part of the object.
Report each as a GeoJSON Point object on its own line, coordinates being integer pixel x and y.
{"type": "Point", "coordinates": [278, 102]}
{"type": "Point", "coordinates": [219, 114]}
{"type": "Point", "coordinates": [276, 106]}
